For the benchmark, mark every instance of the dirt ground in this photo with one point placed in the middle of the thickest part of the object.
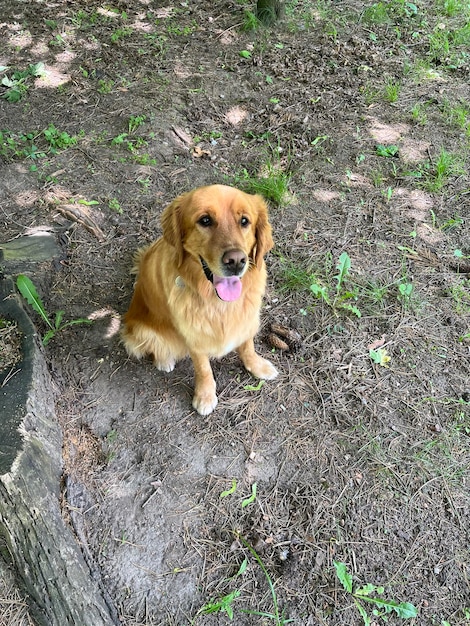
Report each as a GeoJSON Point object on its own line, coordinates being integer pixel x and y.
{"type": "Point", "coordinates": [360, 449]}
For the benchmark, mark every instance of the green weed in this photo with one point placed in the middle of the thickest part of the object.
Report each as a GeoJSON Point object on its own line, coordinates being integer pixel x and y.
{"type": "Point", "coordinates": [12, 145]}
{"type": "Point", "coordinates": [114, 205]}
{"type": "Point", "coordinates": [452, 8]}
{"type": "Point", "coordinates": [268, 11]}
{"type": "Point", "coordinates": [135, 122]}
{"type": "Point", "coordinates": [340, 297]}
{"type": "Point", "coordinates": [448, 46]}
{"type": "Point", "coordinates": [220, 605]}
{"type": "Point", "coordinates": [250, 21]}
{"type": "Point", "coordinates": [28, 291]}
{"type": "Point", "coordinates": [181, 31]}
{"type": "Point", "coordinates": [405, 289]}
{"type": "Point", "coordinates": [24, 146]}
{"type": "Point", "coordinates": [377, 13]}
{"type": "Point", "coordinates": [225, 603]}
{"type": "Point", "coordinates": [387, 151]}
{"type": "Point", "coordinates": [18, 82]}
{"type": "Point", "coordinates": [277, 616]}
{"type": "Point", "coordinates": [105, 86]}
{"type": "Point", "coordinates": [362, 596]}
{"type": "Point", "coordinates": [247, 501]}
{"type": "Point", "coordinates": [392, 11]}
{"type": "Point", "coordinates": [449, 224]}
{"type": "Point", "coordinates": [294, 277]}
{"type": "Point", "coordinates": [377, 177]}
{"type": "Point", "coordinates": [58, 140]}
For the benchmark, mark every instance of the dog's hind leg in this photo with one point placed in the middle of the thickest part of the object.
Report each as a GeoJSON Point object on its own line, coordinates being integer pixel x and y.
{"type": "Point", "coordinates": [142, 340]}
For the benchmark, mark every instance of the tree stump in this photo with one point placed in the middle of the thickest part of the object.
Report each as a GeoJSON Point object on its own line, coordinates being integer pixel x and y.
{"type": "Point", "coordinates": [33, 535]}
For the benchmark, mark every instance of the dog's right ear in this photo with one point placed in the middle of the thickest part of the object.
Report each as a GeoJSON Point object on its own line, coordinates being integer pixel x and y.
{"type": "Point", "coordinates": [172, 226]}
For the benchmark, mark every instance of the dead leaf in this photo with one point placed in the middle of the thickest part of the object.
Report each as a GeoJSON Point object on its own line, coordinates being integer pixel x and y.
{"type": "Point", "coordinates": [377, 343]}
{"type": "Point", "coordinates": [199, 153]}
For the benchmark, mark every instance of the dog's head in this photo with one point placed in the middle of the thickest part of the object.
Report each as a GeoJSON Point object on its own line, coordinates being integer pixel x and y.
{"type": "Point", "coordinates": [224, 229]}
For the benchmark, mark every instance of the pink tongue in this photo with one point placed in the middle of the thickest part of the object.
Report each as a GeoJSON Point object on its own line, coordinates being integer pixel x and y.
{"type": "Point", "coordinates": [228, 288]}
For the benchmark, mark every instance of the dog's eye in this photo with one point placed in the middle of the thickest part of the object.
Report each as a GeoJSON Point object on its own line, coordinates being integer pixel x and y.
{"type": "Point", "coordinates": [244, 222]}
{"type": "Point", "coordinates": [205, 221]}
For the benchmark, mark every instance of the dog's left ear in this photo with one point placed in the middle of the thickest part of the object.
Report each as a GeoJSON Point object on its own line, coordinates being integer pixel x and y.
{"type": "Point", "coordinates": [264, 239]}
{"type": "Point", "coordinates": [172, 227]}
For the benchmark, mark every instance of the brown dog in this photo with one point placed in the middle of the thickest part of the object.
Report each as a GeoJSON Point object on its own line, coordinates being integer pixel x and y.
{"type": "Point", "coordinates": [199, 287]}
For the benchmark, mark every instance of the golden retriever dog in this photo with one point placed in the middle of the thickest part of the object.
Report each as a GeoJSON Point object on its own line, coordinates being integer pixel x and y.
{"type": "Point", "coordinates": [199, 287]}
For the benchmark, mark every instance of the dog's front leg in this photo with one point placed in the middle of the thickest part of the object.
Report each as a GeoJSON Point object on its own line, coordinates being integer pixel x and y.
{"type": "Point", "coordinates": [205, 399]}
{"type": "Point", "coordinates": [255, 364]}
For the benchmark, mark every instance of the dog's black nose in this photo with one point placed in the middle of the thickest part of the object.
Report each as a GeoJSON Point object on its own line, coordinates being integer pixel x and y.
{"type": "Point", "coordinates": [234, 262]}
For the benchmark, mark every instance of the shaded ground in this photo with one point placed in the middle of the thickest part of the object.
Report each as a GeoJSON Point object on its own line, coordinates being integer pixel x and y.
{"type": "Point", "coordinates": [354, 461]}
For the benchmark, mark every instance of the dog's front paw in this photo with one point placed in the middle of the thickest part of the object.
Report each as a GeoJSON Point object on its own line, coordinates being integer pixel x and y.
{"type": "Point", "coordinates": [262, 368]}
{"type": "Point", "coordinates": [204, 402]}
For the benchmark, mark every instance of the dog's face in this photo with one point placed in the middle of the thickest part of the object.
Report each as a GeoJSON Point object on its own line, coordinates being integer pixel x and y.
{"type": "Point", "coordinates": [224, 229]}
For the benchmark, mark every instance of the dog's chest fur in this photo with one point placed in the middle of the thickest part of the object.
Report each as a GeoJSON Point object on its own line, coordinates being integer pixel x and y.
{"type": "Point", "coordinates": [210, 325]}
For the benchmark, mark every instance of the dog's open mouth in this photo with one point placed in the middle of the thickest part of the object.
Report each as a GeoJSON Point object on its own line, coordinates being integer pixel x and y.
{"type": "Point", "coordinates": [228, 288]}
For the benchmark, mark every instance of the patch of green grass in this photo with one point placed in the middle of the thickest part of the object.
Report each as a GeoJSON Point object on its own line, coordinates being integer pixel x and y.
{"type": "Point", "coordinates": [178, 30]}
{"type": "Point", "coordinates": [448, 45]}
{"type": "Point", "coordinates": [374, 294]}
{"type": "Point", "coordinates": [434, 175]}
{"type": "Point", "coordinates": [458, 114]}
{"type": "Point", "coordinates": [293, 276]}
{"type": "Point", "coordinates": [389, 12]}
{"type": "Point", "coordinates": [460, 294]}
{"type": "Point", "coordinates": [377, 177]}
{"type": "Point", "coordinates": [120, 33]}
{"type": "Point", "coordinates": [452, 8]}
{"type": "Point", "coordinates": [391, 90]}
{"type": "Point", "coordinates": [84, 20]}
{"type": "Point", "coordinates": [419, 114]}
{"type": "Point", "coordinates": [446, 165]}
{"type": "Point", "coordinates": [272, 183]}
{"type": "Point", "coordinates": [376, 13]}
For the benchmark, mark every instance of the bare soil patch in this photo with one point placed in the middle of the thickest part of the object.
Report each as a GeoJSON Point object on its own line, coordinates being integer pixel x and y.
{"type": "Point", "coordinates": [355, 460]}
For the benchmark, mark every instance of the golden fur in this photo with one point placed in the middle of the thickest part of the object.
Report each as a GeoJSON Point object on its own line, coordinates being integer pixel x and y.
{"type": "Point", "coordinates": [214, 238]}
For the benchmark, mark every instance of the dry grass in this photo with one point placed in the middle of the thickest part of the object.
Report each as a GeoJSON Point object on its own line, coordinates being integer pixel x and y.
{"type": "Point", "coordinates": [13, 606]}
